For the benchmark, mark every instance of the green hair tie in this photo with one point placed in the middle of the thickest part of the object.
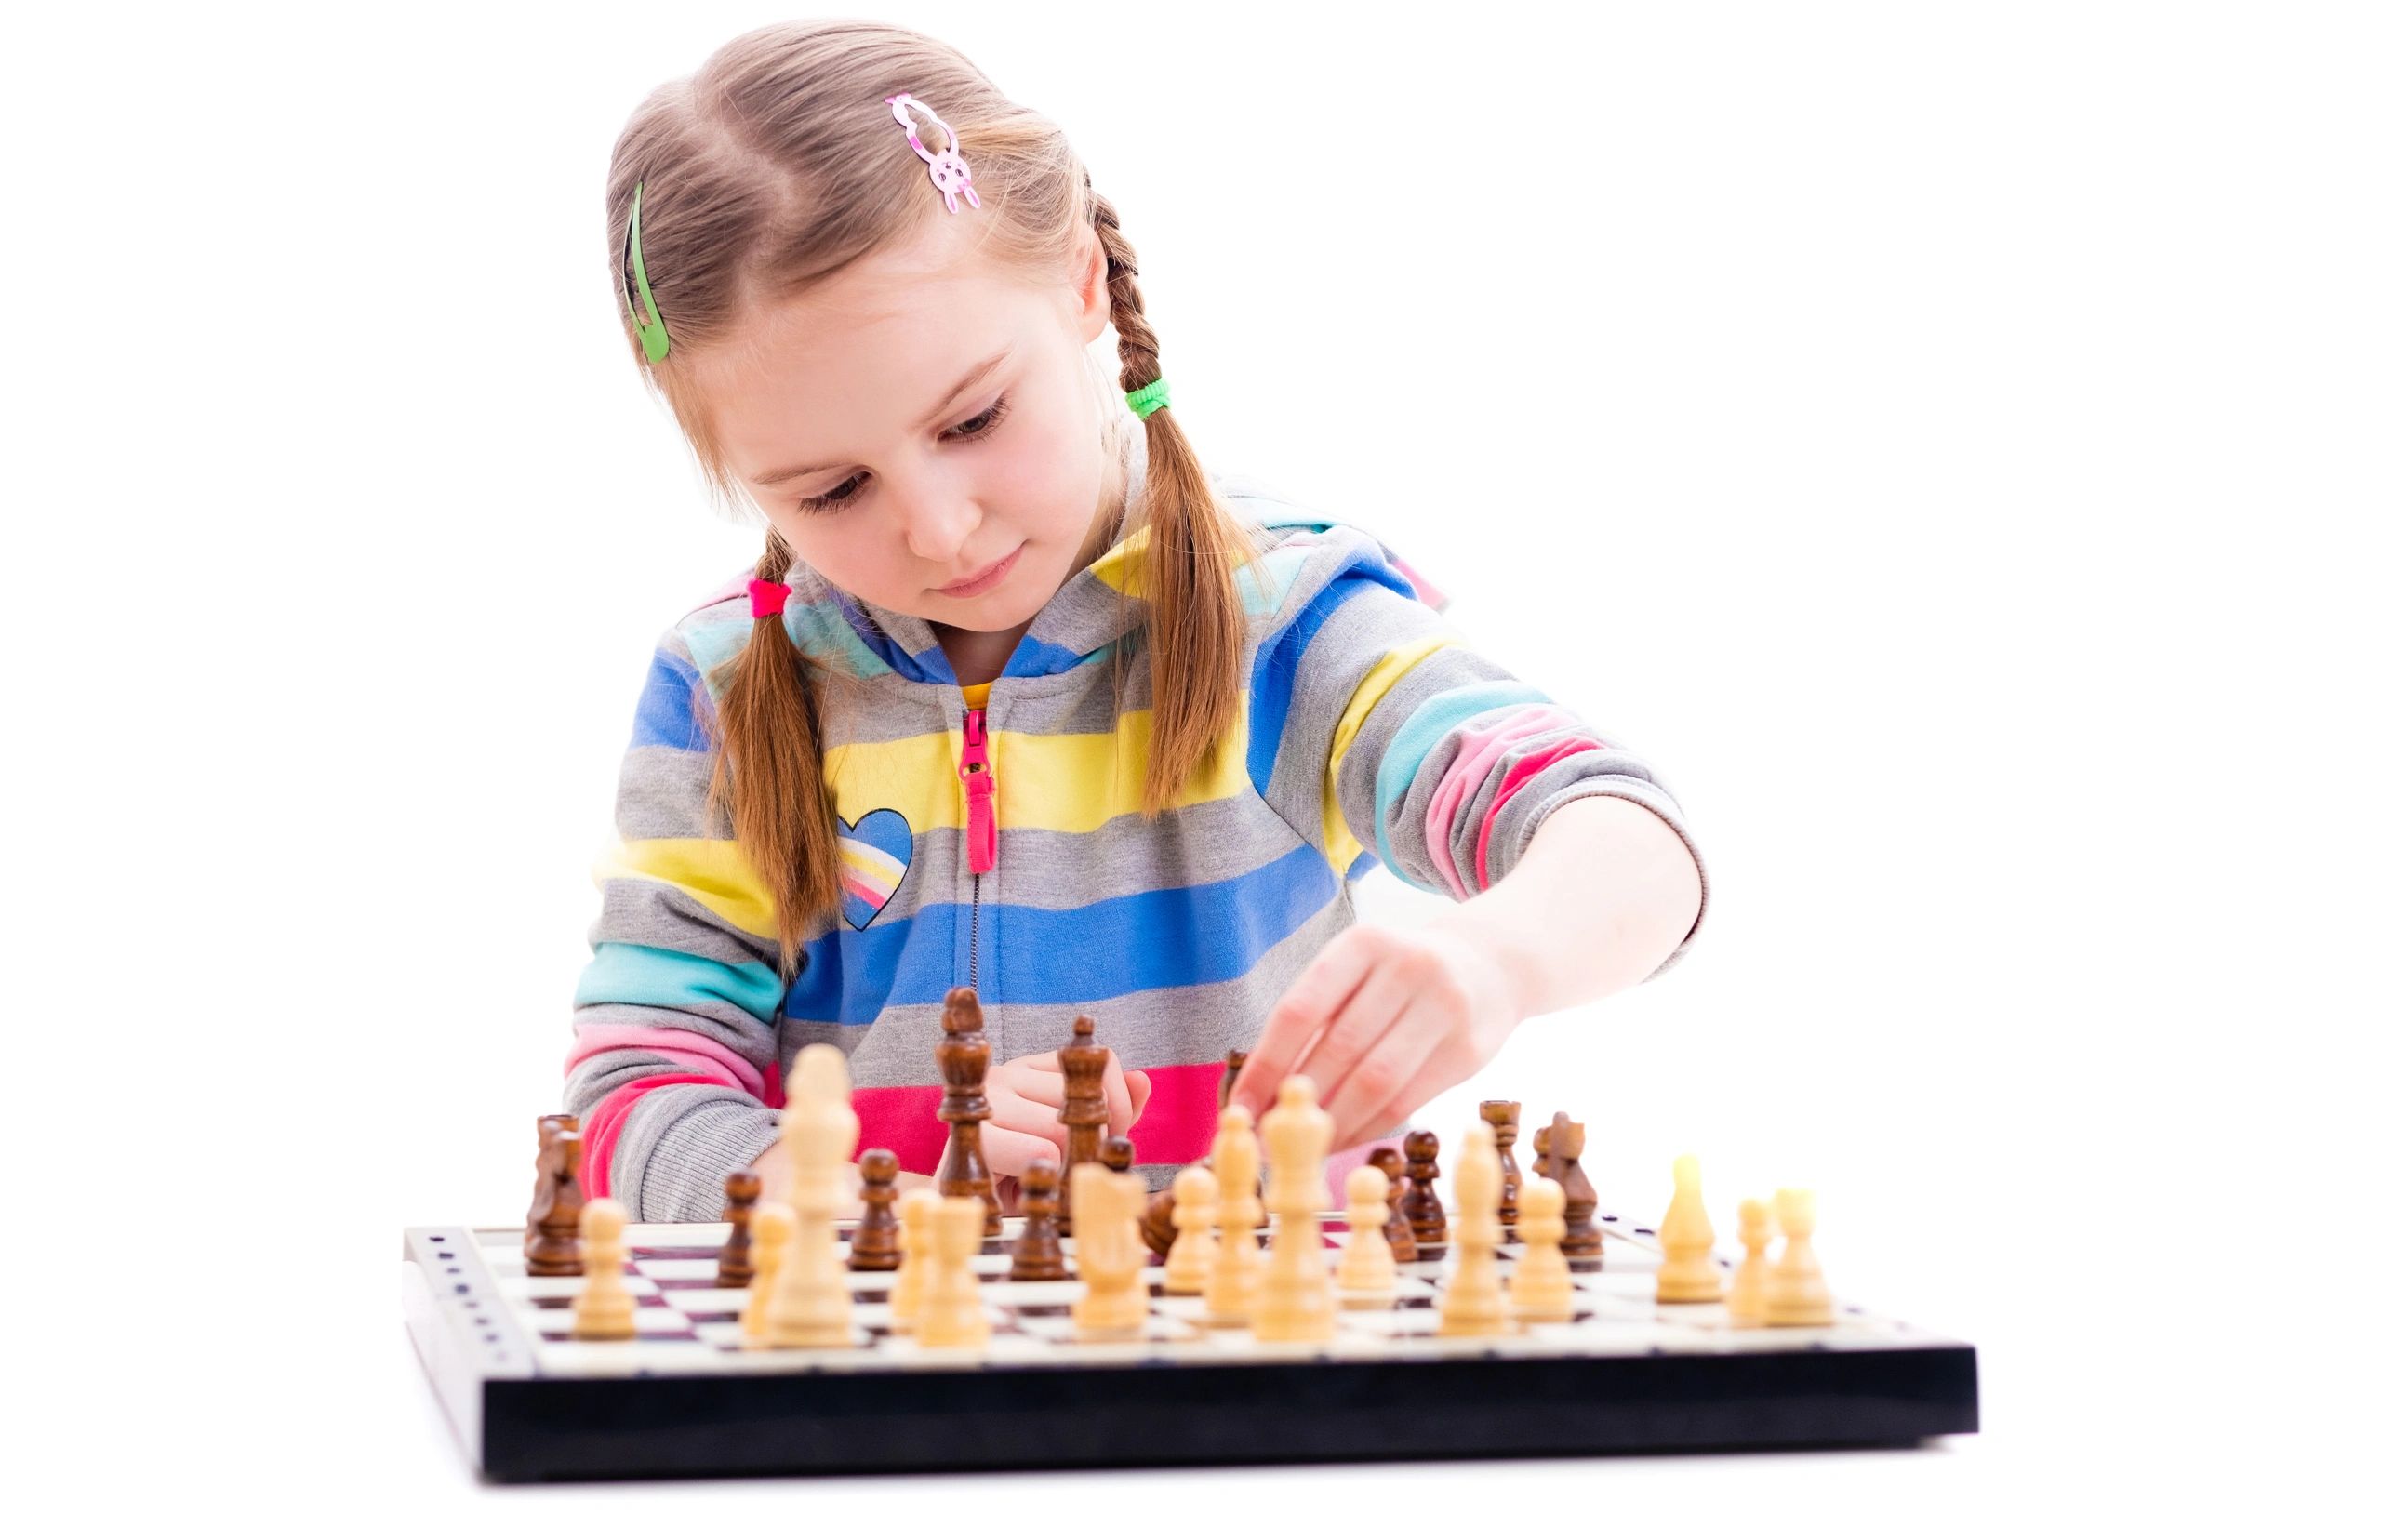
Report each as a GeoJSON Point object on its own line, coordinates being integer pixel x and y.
{"type": "Point", "coordinates": [1149, 398]}
{"type": "Point", "coordinates": [655, 337]}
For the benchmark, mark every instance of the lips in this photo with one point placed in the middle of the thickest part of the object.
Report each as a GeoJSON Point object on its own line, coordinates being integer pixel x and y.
{"type": "Point", "coordinates": [983, 579]}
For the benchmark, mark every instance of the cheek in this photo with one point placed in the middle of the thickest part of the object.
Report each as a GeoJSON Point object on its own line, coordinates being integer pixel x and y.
{"type": "Point", "coordinates": [1041, 478]}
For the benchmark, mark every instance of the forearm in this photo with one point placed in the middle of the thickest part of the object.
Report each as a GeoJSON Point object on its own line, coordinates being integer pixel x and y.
{"type": "Point", "coordinates": [1604, 892]}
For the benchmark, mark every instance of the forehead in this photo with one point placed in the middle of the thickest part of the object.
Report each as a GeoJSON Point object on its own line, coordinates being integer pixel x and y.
{"type": "Point", "coordinates": [848, 366]}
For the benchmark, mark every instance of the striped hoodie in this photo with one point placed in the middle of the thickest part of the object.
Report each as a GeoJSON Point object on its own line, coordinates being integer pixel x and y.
{"type": "Point", "coordinates": [1370, 734]}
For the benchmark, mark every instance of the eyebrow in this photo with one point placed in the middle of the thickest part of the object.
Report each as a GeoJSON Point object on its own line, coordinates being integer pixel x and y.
{"type": "Point", "coordinates": [966, 382]}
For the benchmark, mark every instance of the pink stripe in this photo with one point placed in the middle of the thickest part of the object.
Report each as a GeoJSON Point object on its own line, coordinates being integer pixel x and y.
{"type": "Point", "coordinates": [601, 1129]}
{"type": "Point", "coordinates": [1514, 780]}
{"type": "Point", "coordinates": [1477, 753]}
{"type": "Point", "coordinates": [692, 1049]}
{"type": "Point", "coordinates": [901, 1118]}
{"type": "Point", "coordinates": [1422, 588]}
{"type": "Point", "coordinates": [1178, 1120]}
{"type": "Point", "coordinates": [862, 892]}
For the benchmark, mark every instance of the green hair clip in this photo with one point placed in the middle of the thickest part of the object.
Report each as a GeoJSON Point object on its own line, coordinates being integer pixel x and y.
{"type": "Point", "coordinates": [655, 337]}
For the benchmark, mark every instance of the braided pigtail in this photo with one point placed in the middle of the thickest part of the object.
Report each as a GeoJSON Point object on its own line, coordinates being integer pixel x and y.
{"type": "Point", "coordinates": [1195, 628]}
{"type": "Point", "coordinates": [768, 776]}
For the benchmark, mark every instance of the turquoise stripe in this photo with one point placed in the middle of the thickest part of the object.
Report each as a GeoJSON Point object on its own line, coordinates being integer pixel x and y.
{"type": "Point", "coordinates": [1441, 714]}
{"type": "Point", "coordinates": [622, 973]}
{"type": "Point", "coordinates": [819, 630]}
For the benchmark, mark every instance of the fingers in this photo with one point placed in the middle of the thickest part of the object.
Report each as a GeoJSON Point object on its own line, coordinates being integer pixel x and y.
{"type": "Point", "coordinates": [1356, 1035]}
{"type": "Point", "coordinates": [1446, 1062]}
{"type": "Point", "coordinates": [1310, 1001]}
{"type": "Point", "coordinates": [1048, 1089]}
{"type": "Point", "coordinates": [1137, 1081]}
{"type": "Point", "coordinates": [1009, 1152]}
{"type": "Point", "coordinates": [1373, 1083]}
{"type": "Point", "coordinates": [1117, 1090]}
{"type": "Point", "coordinates": [1019, 1115]}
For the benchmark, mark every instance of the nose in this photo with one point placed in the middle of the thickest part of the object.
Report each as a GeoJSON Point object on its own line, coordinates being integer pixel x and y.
{"type": "Point", "coordinates": [939, 521]}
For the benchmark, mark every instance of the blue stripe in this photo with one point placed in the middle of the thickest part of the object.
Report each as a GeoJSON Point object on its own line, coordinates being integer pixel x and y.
{"type": "Point", "coordinates": [1035, 657]}
{"type": "Point", "coordinates": [1441, 714]}
{"type": "Point", "coordinates": [665, 712]}
{"type": "Point", "coordinates": [625, 974]}
{"type": "Point", "coordinates": [1274, 673]}
{"type": "Point", "coordinates": [1168, 938]}
{"type": "Point", "coordinates": [1273, 677]}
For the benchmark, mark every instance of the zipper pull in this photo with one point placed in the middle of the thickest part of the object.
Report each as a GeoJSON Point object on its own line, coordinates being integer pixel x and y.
{"type": "Point", "coordinates": [975, 779]}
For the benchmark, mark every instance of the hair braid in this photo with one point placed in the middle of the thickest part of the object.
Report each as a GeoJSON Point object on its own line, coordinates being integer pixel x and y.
{"type": "Point", "coordinates": [781, 812]}
{"type": "Point", "coordinates": [1196, 623]}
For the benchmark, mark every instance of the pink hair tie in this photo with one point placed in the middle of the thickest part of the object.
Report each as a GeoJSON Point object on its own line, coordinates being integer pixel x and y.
{"type": "Point", "coordinates": [767, 598]}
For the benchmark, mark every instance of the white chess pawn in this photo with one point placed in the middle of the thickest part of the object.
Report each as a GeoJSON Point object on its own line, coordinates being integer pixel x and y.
{"type": "Point", "coordinates": [1231, 1282]}
{"type": "Point", "coordinates": [607, 1311]}
{"type": "Point", "coordinates": [1472, 1303]}
{"type": "Point", "coordinates": [953, 1312]}
{"type": "Point", "coordinates": [1748, 1302]}
{"type": "Point", "coordinates": [1541, 1288]}
{"type": "Point", "coordinates": [1688, 1276]}
{"type": "Point", "coordinates": [1797, 1293]}
{"type": "Point", "coordinates": [772, 1222]}
{"type": "Point", "coordinates": [1367, 1269]}
{"type": "Point", "coordinates": [1190, 1261]}
{"type": "Point", "coordinates": [916, 1210]}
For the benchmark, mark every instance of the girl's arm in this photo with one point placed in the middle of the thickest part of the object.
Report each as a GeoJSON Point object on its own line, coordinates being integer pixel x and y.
{"type": "Point", "coordinates": [1381, 735]}
{"type": "Point", "coordinates": [1602, 895]}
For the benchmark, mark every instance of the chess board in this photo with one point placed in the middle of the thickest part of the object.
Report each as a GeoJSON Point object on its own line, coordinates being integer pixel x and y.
{"type": "Point", "coordinates": [688, 1397]}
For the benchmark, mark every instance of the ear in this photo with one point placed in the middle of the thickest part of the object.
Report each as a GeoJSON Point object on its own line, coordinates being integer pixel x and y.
{"type": "Point", "coordinates": [1088, 267]}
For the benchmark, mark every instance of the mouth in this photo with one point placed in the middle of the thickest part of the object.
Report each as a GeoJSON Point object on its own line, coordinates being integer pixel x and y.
{"type": "Point", "coordinates": [979, 582]}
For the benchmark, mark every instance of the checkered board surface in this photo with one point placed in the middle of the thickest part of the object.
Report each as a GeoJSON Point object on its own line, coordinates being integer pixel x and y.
{"type": "Point", "coordinates": [484, 1326]}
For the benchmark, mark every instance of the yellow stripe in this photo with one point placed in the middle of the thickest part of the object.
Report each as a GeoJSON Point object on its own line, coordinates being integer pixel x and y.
{"type": "Point", "coordinates": [1339, 846]}
{"type": "Point", "coordinates": [1067, 782]}
{"type": "Point", "coordinates": [713, 872]}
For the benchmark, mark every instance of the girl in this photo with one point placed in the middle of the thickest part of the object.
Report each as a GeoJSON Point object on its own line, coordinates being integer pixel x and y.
{"type": "Point", "coordinates": [1017, 697]}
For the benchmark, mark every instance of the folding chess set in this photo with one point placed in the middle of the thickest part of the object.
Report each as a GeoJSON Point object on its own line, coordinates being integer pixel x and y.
{"type": "Point", "coordinates": [1210, 1325]}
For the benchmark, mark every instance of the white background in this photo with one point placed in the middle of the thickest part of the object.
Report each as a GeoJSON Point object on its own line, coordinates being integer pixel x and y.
{"type": "Point", "coordinates": [1942, 438]}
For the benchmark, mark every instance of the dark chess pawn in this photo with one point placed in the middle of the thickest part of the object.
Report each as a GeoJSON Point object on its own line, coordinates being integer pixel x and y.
{"type": "Point", "coordinates": [1157, 1223]}
{"type": "Point", "coordinates": [876, 1242]}
{"type": "Point", "coordinates": [1399, 1230]}
{"type": "Point", "coordinates": [1116, 1153]}
{"type": "Point", "coordinates": [1505, 1117]}
{"type": "Point", "coordinates": [743, 1187]}
{"type": "Point", "coordinates": [1233, 1062]}
{"type": "Point", "coordinates": [551, 1241]}
{"type": "Point", "coordinates": [1422, 1208]}
{"type": "Point", "coordinates": [1566, 1141]}
{"type": "Point", "coordinates": [1038, 1258]}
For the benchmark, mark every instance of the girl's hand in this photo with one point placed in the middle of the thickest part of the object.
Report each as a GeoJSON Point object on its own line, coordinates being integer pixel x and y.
{"type": "Point", "coordinates": [1382, 1021]}
{"type": "Point", "coordinates": [1027, 1094]}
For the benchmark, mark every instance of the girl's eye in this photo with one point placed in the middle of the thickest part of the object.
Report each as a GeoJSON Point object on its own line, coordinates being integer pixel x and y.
{"type": "Point", "coordinates": [980, 426]}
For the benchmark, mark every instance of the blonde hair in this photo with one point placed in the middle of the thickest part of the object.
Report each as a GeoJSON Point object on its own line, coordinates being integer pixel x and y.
{"type": "Point", "coordinates": [776, 167]}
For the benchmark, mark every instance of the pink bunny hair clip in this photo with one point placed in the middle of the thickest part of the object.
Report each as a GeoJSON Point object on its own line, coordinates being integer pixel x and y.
{"type": "Point", "coordinates": [949, 173]}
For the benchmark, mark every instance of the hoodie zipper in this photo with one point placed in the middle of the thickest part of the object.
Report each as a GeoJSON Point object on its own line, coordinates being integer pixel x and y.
{"type": "Point", "coordinates": [983, 827]}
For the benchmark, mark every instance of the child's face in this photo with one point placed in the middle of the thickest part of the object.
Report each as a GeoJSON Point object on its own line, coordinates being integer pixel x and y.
{"type": "Point", "coordinates": [899, 495]}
